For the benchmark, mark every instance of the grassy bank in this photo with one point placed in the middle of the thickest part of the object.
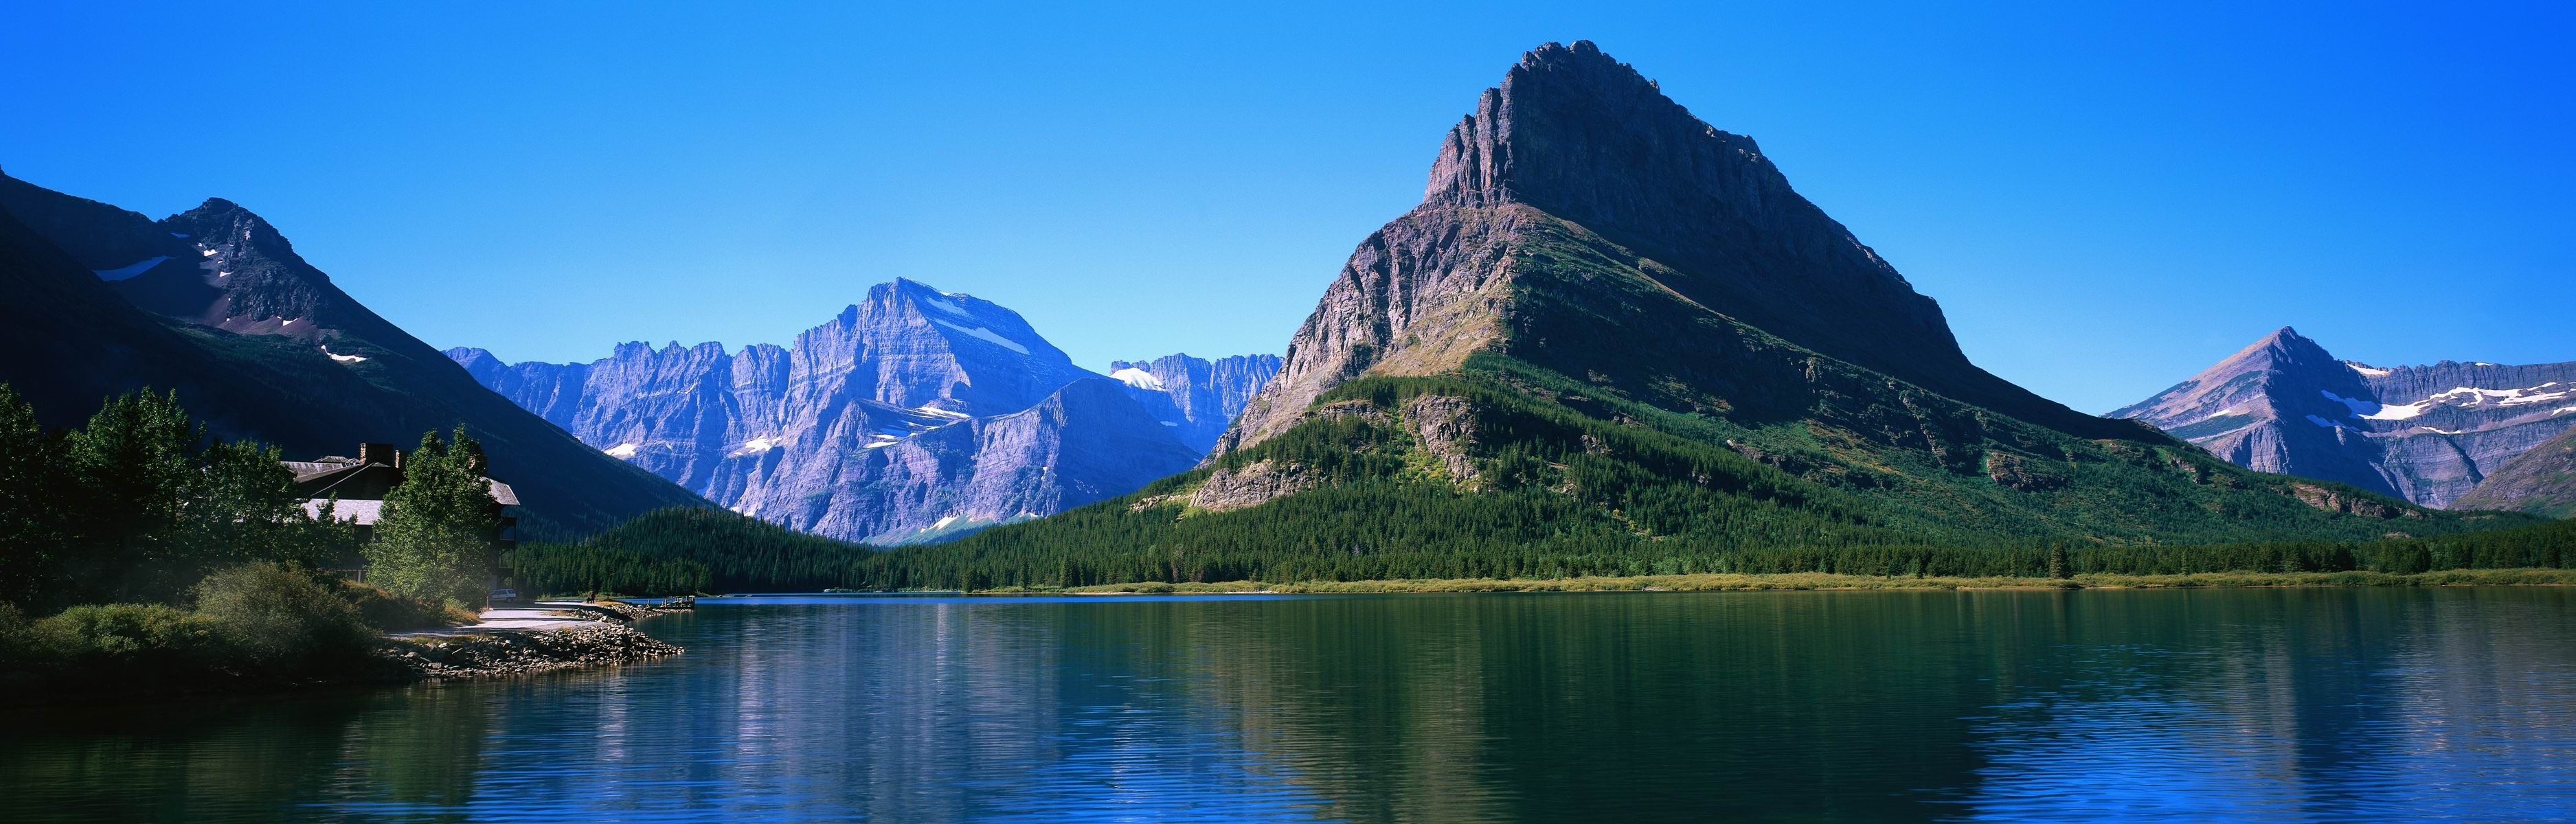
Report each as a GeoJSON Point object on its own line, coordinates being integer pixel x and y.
{"type": "Point", "coordinates": [1824, 581]}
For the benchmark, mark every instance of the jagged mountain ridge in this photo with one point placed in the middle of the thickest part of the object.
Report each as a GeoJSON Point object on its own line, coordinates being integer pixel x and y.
{"type": "Point", "coordinates": [915, 414]}
{"type": "Point", "coordinates": [1197, 397]}
{"type": "Point", "coordinates": [2428, 434]}
{"type": "Point", "coordinates": [214, 302]}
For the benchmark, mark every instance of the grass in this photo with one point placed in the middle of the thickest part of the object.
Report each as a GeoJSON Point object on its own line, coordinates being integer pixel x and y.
{"type": "Point", "coordinates": [1825, 581]}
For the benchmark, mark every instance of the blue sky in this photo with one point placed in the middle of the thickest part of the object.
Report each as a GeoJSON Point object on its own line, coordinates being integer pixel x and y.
{"type": "Point", "coordinates": [2104, 200]}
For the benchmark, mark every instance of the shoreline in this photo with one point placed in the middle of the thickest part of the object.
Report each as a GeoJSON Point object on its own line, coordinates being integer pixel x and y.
{"type": "Point", "coordinates": [404, 658]}
{"type": "Point", "coordinates": [1819, 581]}
{"type": "Point", "coordinates": [606, 636]}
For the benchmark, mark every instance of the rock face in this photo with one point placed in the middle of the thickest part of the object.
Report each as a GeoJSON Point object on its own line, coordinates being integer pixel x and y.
{"type": "Point", "coordinates": [1197, 398]}
{"type": "Point", "coordinates": [914, 415]}
{"type": "Point", "coordinates": [2541, 481]}
{"type": "Point", "coordinates": [1576, 166]}
{"type": "Point", "coordinates": [215, 303]}
{"type": "Point", "coordinates": [2424, 433]}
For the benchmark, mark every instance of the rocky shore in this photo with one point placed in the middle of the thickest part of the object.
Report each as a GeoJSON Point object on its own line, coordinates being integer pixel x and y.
{"type": "Point", "coordinates": [599, 635]}
{"type": "Point", "coordinates": [524, 652]}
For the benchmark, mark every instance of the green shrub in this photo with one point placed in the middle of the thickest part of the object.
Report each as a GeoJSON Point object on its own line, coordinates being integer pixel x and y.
{"type": "Point", "coordinates": [272, 617]}
{"type": "Point", "coordinates": [394, 613]}
{"type": "Point", "coordinates": [130, 639]}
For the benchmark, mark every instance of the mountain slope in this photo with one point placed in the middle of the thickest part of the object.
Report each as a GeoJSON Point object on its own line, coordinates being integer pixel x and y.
{"type": "Point", "coordinates": [261, 345]}
{"type": "Point", "coordinates": [1197, 397]}
{"type": "Point", "coordinates": [1612, 340]}
{"type": "Point", "coordinates": [913, 415]}
{"type": "Point", "coordinates": [2541, 481]}
{"type": "Point", "coordinates": [2425, 433]}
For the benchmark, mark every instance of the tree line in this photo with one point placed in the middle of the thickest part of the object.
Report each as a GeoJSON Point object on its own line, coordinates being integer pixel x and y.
{"type": "Point", "coordinates": [687, 550]}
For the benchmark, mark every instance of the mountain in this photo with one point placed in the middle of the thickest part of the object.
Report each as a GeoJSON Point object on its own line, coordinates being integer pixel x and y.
{"type": "Point", "coordinates": [215, 303]}
{"type": "Point", "coordinates": [914, 415]}
{"type": "Point", "coordinates": [2424, 433]}
{"type": "Point", "coordinates": [2541, 481]}
{"type": "Point", "coordinates": [1197, 397]}
{"type": "Point", "coordinates": [1613, 339]}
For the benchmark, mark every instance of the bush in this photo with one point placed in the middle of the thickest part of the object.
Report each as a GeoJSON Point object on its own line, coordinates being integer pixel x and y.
{"type": "Point", "coordinates": [394, 613]}
{"type": "Point", "coordinates": [124, 640]}
{"type": "Point", "coordinates": [280, 619]}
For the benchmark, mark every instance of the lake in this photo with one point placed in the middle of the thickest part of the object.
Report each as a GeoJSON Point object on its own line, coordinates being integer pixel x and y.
{"type": "Point", "coordinates": [2264, 705]}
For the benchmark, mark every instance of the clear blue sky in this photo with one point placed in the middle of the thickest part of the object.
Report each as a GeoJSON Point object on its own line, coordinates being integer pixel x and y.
{"type": "Point", "coordinates": [2104, 201]}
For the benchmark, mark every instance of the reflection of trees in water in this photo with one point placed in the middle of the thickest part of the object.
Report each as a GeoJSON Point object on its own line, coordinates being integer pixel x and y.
{"type": "Point", "coordinates": [253, 760]}
{"type": "Point", "coordinates": [1567, 707]}
{"type": "Point", "coordinates": [420, 748]}
{"type": "Point", "coordinates": [1857, 706]}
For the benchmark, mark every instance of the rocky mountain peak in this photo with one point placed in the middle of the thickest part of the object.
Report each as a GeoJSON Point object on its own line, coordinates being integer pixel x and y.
{"type": "Point", "coordinates": [1557, 101]}
{"type": "Point", "coordinates": [2283, 350]}
{"type": "Point", "coordinates": [2425, 433]}
{"type": "Point", "coordinates": [220, 222]}
{"type": "Point", "coordinates": [1576, 160]}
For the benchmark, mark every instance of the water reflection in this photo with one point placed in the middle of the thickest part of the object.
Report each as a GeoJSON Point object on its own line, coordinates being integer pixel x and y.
{"type": "Point", "coordinates": [2271, 705]}
{"type": "Point", "coordinates": [2295, 706]}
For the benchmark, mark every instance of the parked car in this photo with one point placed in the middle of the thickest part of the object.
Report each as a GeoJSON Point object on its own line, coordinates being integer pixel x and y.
{"type": "Point", "coordinates": [504, 595]}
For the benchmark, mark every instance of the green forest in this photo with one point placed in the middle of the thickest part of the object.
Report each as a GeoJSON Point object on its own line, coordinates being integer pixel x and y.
{"type": "Point", "coordinates": [687, 550]}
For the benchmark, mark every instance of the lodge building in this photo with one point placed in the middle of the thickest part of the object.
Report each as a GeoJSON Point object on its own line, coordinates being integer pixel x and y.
{"type": "Point", "coordinates": [360, 484]}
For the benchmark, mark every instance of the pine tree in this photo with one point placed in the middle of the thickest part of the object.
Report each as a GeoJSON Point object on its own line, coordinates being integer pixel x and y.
{"type": "Point", "coordinates": [2057, 565]}
{"type": "Point", "coordinates": [31, 504]}
{"type": "Point", "coordinates": [132, 473]}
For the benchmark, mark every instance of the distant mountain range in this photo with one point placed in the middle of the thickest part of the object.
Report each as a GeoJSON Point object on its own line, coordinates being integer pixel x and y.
{"type": "Point", "coordinates": [915, 415]}
{"type": "Point", "coordinates": [2429, 434]}
{"type": "Point", "coordinates": [1199, 398]}
{"type": "Point", "coordinates": [215, 303]}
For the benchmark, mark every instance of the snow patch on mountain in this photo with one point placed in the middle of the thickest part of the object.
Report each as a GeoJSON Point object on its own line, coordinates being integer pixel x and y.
{"type": "Point", "coordinates": [2359, 407]}
{"type": "Point", "coordinates": [981, 333]}
{"type": "Point", "coordinates": [131, 269]}
{"type": "Point", "coordinates": [623, 450]}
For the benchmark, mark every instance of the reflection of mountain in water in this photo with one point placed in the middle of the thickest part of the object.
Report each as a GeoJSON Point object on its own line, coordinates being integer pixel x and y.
{"type": "Point", "coordinates": [2253, 705]}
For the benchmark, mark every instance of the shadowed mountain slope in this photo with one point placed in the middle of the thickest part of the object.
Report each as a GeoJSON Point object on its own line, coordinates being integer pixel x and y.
{"type": "Point", "coordinates": [261, 345]}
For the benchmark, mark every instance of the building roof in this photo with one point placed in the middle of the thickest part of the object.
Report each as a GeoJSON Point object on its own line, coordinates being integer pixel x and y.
{"type": "Point", "coordinates": [361, 486]}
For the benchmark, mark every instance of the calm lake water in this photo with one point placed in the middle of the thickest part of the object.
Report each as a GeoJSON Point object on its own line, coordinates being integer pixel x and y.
{"type": "Point", "coordinates": [2267, 705]}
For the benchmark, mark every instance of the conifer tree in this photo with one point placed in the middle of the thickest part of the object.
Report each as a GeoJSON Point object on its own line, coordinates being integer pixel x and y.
{"type": "Point", "coordinates": [31, 516]}
{"type": "Point", "coordinates": [132, 478]}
